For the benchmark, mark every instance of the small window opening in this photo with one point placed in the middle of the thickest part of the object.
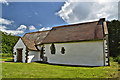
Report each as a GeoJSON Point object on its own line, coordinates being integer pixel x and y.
{"type": "Point", "coordinates": [63, 50]}
{"type": "Point", "coordinates": [52, 48]}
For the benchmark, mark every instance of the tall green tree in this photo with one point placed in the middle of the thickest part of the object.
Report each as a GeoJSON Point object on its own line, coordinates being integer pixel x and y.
{"type": "Point", "coordinates": [114, 37]}
{"type": "Point", "coordinates": [8, 42]}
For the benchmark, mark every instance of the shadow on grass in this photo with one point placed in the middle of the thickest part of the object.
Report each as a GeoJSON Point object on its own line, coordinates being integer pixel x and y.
{"type": "Point", "coordinates": [9, 61]}
{"type": "Point", "coordinates": [66, 64]}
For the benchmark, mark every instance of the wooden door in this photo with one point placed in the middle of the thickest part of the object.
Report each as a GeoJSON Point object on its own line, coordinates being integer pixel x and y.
{"type": "Point", "coordinates": [19, 55]}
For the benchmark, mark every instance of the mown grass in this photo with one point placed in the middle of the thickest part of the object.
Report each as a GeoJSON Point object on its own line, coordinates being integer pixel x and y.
{"type": "Point", "coordinates": [40, 70]}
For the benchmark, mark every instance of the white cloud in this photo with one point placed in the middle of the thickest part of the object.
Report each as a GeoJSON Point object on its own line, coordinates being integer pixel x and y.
{"type": "Point", "coordinates": [9, 22]}
{"type": "Point", "coordinates": [74, 12]}
{"type": "Point", "coordinates": [32, 27]}
{"type": "Point", "coordinates": [13, 32]}
{"type": "Point", "coordinates": [40, 24]}
{"type": "Point", "coordinates": [3, 28]}
{"type": "Point", "coordinates": [4, 2]}
{"type": "Point", "coordinates": [22, 28]}
{"type": "Point", "coordinates": [44, 28]}
{"type": "Point", "coordinates": [5, 21]}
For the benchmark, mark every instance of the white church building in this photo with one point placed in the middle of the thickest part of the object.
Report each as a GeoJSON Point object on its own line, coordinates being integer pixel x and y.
{"type": "Point", "coordinates": [83, 44]}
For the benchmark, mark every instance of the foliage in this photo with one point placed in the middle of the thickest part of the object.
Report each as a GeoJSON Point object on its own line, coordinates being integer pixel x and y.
{"type": "Point", "coordinates": [114, 37]}
{"type": "Point", "coordinates": [117, 59]}
{"type": "Point", "coordinates": [6, 55]}
{"type": "Point", "coordinates": [8, 42]}
{"type": "Point", "coordinates": [9, 59]}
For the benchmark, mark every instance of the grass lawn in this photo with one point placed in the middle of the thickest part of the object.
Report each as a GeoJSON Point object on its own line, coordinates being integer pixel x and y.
{"type": "Point", "coordinates": [40, 70]}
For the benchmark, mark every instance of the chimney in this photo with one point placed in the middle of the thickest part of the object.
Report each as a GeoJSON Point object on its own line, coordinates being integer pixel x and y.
{"type": "Point", "coordinates": [101, 21]}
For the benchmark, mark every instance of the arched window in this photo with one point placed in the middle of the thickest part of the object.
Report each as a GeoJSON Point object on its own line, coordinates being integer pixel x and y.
{"type": "Point", "coordinates": [14, 53]}
{"type": "Point", "coordinates": [52, 48]}
{"type": "Point", "coordinates": [63, 50]}
{"type": "Point", "coordinates": [42, 52]}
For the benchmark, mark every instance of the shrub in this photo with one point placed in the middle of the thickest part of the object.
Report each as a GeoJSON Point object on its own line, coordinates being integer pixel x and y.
{"type": "Point", "coordinates": [6, 55]}
{"type": "Point", "coordinates": [111, 59]}
{"type": "Point", "coordinates": [117, 59]}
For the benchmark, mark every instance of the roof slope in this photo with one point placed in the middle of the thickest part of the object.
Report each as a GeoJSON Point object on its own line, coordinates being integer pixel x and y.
{"type": "Point", "coordinates": [29, 43]}
{"type": "Point", "coordinates": [75, 32]}
{"type": "Point", "coordinates": [34, 38]}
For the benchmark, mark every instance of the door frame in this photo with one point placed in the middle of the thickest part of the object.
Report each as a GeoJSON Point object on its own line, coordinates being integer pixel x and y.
{"type": "Point", "coordinates": [19, 55]}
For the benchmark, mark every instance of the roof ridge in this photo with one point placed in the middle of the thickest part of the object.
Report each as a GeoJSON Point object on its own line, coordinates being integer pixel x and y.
{"type": "Point", "coordinates": [74, 24]}
{"type": "Point", "coordinates": [26, 38]}
{"type": "Point", "coordinates": [37, 32]}
{"type": "Point", "coordinates": [45, 36]}
{"type": "Point", "coordinates": [62, 26]}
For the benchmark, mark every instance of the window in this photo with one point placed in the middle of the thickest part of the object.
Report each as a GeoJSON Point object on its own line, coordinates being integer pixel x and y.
{"type": "Point", "coordinates": [52, 48]}
{"type": "Point", "coordinates": [42, 52]}
{"type": "Point", "coordinates": [15, 53]}
{"type": "Point", "coordinates": [63, 50]}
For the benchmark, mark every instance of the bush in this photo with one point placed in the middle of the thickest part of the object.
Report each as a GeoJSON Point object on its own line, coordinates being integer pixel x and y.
{"type": "Point", "coordinates": [111, 59]}
{"type": "Point", "coordinates": [6, 55]}
{"type": "Point", "coordinates": [8, 42]}
{"type": "Point", "coordinates": [117, 59]}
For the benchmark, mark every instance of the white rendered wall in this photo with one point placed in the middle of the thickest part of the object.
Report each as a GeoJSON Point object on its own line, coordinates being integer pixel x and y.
{"type": "Point", "coordinates": [78, 53]}
{"type": "Point", "coordinates": [18, 45]}
{"type": "Point", "coordinates": [33, 56]}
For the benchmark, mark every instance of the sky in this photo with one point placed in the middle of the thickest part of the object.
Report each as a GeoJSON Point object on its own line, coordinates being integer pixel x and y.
{"type": "Point", "coordinates": [19, 18]}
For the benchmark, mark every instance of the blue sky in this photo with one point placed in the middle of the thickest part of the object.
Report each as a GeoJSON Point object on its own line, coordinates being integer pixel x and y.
{"type": "Point", "coordinates": [19, 18]}
{"type": "Point", "coordinates": [37, 14]}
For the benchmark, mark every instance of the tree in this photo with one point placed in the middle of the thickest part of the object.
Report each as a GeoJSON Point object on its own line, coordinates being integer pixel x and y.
{"type": "Point", "coordinates": [114, 37]}
{"type": "Point", "coordinates": [8, 42]}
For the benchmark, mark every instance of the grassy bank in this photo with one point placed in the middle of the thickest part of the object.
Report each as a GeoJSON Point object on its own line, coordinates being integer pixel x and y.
{"type": "Point", "coordinates": [6, 57]}
{"type": "Point", "coordinates": [40, 70]}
